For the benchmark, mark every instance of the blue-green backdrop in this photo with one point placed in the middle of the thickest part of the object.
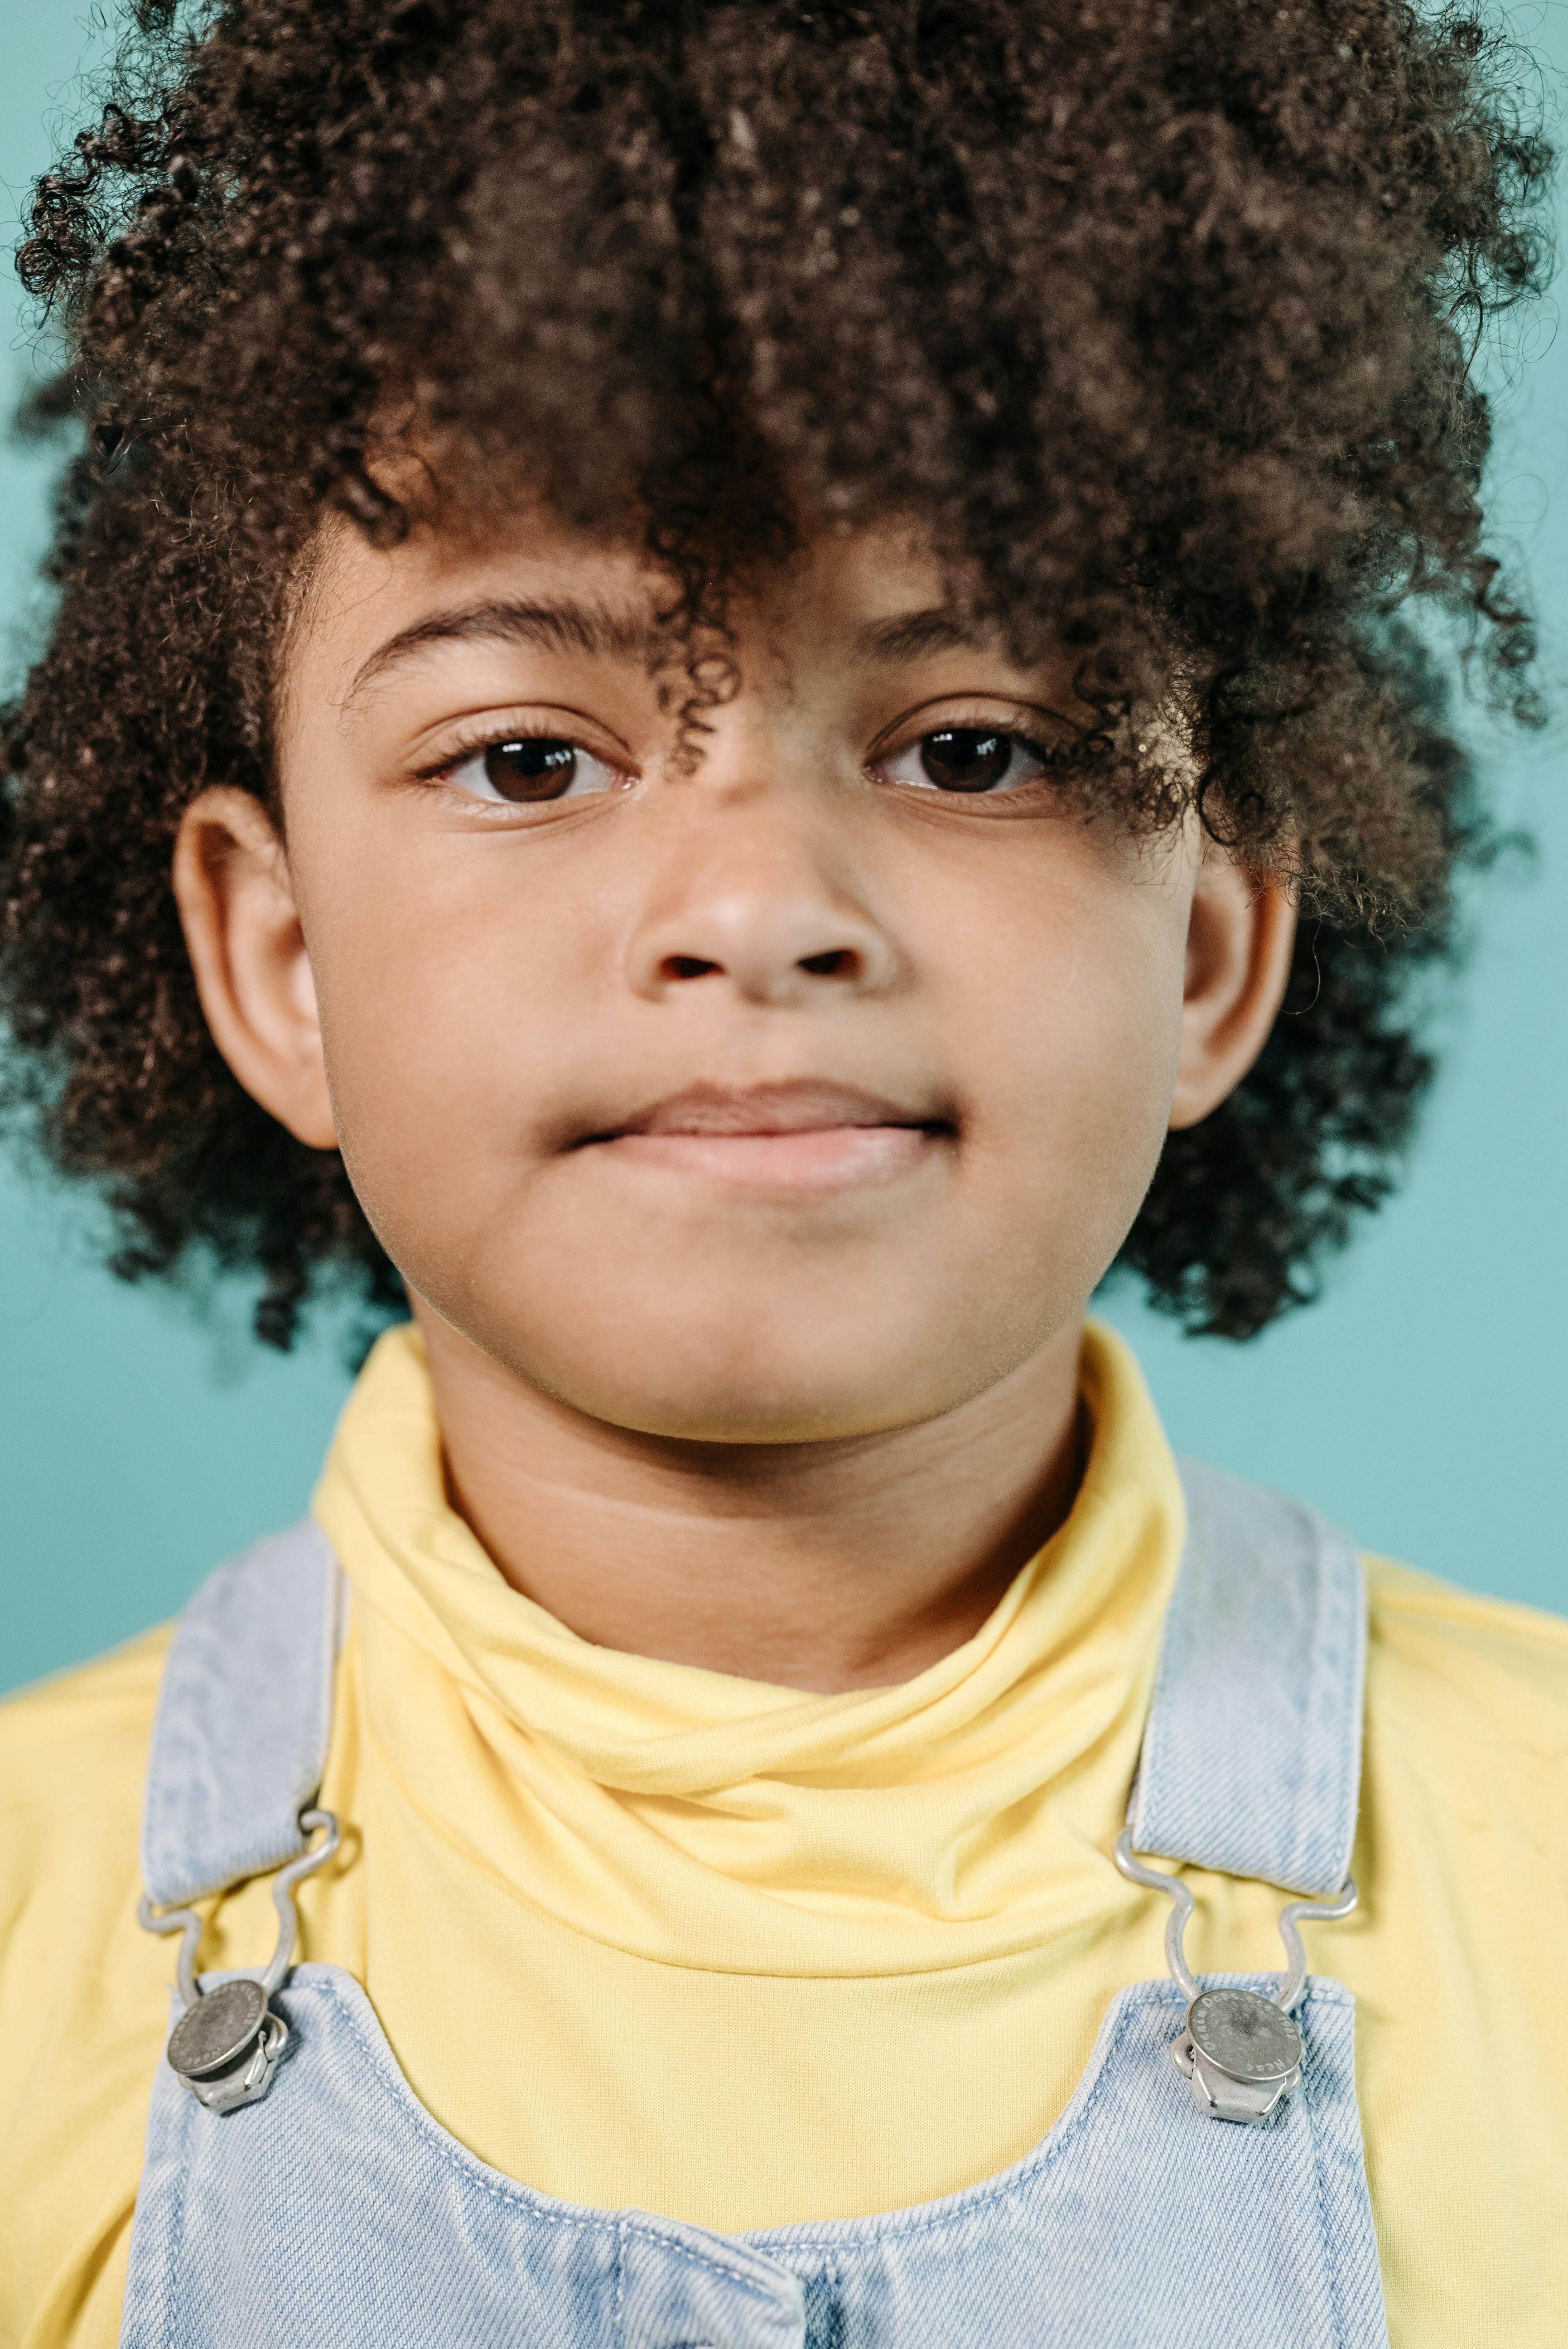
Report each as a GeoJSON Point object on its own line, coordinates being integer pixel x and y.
{"type": "Point", "coordinates": [1421, 1402]}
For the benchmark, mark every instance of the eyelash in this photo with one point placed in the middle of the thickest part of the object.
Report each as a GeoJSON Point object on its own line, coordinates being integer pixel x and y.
{"type": "Point", "coordinates": [494, 737]}
{"type": "Point", "coordinates": [491, 738]}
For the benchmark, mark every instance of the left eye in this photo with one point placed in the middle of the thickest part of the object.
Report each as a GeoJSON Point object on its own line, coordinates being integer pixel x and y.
{"type": "Point", "coordinates": [533, 768]}
{"type": "Point", "coordinates": [966, 759]}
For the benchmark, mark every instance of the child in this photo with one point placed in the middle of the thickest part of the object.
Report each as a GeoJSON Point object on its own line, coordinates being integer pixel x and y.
{"type": "Point", "coordinates": [747, 631]}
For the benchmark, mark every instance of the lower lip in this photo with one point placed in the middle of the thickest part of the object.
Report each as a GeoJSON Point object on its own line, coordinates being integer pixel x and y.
{"type": "Point", "coordinates": [821, 1158]}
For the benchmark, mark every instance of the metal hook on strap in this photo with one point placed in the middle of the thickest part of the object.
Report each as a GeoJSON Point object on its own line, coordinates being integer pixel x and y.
{"type": "Point", "coordinates": [1240, 2053]}
{"type": "Point", "coordinates": [228, 2043]}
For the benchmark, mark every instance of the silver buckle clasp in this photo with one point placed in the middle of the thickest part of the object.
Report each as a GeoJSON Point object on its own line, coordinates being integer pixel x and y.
{"type": "Point", "coordinates": [227, 2044]}
{"type": "Point", "coordinates": [1239, 2053]}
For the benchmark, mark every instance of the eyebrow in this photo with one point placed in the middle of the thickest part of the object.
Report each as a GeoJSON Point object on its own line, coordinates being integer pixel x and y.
{"type": "Point", "coordinates": [592, 630]}
{"type": "Point", "coordinates": [915, 636]}
{"type": "Point", "coordinates": [598, 632]}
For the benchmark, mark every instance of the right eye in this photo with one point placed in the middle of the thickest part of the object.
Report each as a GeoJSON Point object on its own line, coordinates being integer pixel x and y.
{"type": "Point", "coordinates": [968, 758]}
{"type": "Point", "coordinates": [531, 769]}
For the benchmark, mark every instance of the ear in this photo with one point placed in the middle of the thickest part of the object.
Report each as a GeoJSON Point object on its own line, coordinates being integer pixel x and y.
{"type": "Point", "coordinates": [247, 949]}
{"type": "Point", "coordinates": [1240, 936]}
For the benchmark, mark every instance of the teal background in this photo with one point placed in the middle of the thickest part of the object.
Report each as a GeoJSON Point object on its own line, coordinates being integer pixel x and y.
{"type": "Point", "coordinates": [1421, 1402]}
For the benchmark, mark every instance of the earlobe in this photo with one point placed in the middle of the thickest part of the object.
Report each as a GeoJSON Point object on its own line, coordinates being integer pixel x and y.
{"type": "Point", "coordinates": [1240, 935]}
{"type": "Point", "coordinates": [247, 950]}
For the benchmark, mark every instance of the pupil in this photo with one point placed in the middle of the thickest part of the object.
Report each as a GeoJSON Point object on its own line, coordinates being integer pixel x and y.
{"type": "Point", "coordinates": [537, 770]}
{"type": "Point", "coordinates": [966, 759]}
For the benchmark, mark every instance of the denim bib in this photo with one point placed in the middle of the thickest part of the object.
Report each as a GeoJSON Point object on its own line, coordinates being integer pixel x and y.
{"type": "Point", "coordinates": [325, 2209]}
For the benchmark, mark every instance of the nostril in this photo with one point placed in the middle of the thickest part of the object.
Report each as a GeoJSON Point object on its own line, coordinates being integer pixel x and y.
{"type": "Point", "coordinates": [686, 966]}
{"type": "Point", "coordinates": [843, 962]}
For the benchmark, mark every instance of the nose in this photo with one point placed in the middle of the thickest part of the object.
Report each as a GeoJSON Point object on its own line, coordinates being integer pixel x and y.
{"type": "Point", "coordinates": [760, 914]}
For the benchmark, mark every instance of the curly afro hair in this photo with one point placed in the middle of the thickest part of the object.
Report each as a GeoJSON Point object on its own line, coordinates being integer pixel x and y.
{"type": "Point", "coordinates": [1159, 314]}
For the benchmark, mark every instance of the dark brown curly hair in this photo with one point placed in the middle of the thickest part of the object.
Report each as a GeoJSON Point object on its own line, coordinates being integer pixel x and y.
{"type": "Point", "coordinates": [1161, 314]}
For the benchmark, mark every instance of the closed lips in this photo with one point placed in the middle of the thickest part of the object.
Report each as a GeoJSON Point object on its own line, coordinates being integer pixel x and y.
{"type": "Point", "coordinates": [798, 1107]}
{"type": "Point", "coordinates": [800, 1138]}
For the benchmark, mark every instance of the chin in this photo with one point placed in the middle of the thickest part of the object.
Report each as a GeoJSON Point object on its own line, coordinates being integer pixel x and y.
{"type": "Point", "coordinates": [806, 1420]}
{"type": "Point", "coordinates": [728, 1403]}
{"type": "Point", "coordinates": [807, 1359]}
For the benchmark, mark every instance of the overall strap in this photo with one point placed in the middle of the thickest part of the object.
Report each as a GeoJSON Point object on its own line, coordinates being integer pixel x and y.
{"type": "Point", "coordinates": [1252, 1752]}
{"type": "Point", "coordinates": [243, 1715]}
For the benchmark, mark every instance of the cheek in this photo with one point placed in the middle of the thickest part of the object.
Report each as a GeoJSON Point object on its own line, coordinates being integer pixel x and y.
{"type": "Point", "coordinates": [1068, 1017]}
{"type": "Point", "coordinates": [442, 1007]}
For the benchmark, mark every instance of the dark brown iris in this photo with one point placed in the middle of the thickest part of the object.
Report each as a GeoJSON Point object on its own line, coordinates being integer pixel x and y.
{"type": "Point", "coordinates": [540, 769]}
{"type": "Point", "coordinates": [966, 757]}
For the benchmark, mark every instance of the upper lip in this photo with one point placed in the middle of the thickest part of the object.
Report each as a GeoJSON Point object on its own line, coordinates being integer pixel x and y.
{"type": "Point", "coordinates": [802, 1104]}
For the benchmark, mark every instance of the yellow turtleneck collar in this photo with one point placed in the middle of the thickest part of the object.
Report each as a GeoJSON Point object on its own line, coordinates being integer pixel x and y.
{"type": "Point", "coordinates": [686, 1816]}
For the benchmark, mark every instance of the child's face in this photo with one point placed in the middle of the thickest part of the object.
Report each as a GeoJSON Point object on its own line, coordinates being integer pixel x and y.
{"type": "Point", "coordinates": [801, 1094]}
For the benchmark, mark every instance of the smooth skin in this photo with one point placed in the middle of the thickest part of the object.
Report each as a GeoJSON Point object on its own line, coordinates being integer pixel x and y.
{"type": "Point", "coordinates": [751, 1136]}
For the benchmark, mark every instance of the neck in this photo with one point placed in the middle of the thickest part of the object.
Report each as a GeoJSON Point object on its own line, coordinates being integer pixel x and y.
{"type": "Point", "coordinates": [831, 1566]}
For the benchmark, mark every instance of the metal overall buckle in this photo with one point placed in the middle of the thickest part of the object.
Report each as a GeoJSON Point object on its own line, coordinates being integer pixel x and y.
{"type": "Point", "coordinates": [228, 2044]}
{"type": "Point", "coordinates": [1239, 2052]}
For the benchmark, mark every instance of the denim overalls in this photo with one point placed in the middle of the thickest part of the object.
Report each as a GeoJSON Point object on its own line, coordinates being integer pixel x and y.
{"type": "Point", "coordinates": [333, 2212]}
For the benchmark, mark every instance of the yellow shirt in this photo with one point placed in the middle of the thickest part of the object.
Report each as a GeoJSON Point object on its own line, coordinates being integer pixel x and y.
{"type": "Point", "coordinates": [641, 1933]}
